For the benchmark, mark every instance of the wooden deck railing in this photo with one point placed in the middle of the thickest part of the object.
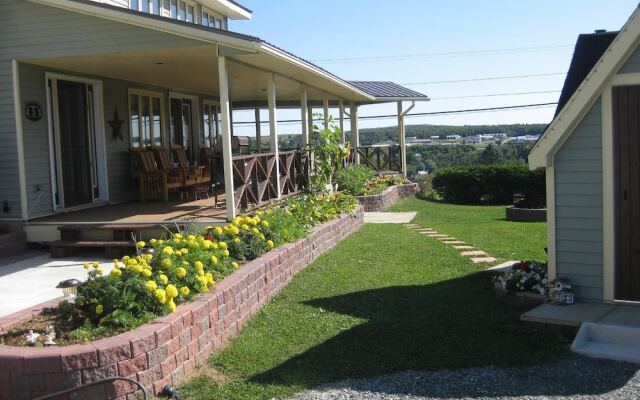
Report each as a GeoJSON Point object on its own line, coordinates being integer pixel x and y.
{"type": "Point", "coordinates": [255, 176]}
{"type": "Point", "coordinates": [379, 158]}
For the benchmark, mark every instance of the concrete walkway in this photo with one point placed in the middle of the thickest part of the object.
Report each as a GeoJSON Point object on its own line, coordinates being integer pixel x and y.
{"type": "Point", "coordinates": [576, 314]}
{"type": "Point", "coordinates": [30, 281]}
{"type": "Point", "coordinates": [388, 217]}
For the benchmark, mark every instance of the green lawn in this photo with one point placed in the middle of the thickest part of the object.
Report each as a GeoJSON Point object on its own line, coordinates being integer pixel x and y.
{"type": "Point", "coordinates": [482, 226]}
{"type": "Point", "coordinates": [386, 299]}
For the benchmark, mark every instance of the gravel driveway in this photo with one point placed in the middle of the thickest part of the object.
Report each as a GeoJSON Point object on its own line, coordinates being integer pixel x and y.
{"type": "Point", "coordinates": [572, 378]}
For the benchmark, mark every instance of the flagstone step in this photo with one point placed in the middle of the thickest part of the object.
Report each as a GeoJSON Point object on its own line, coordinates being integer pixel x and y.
{"type": "Point", "coordinates": [481, 260]}
{"type": "Point", "coordinates": [473, 253]}
{"type": "Point", "coordinates": [463, 247]}
{"type": "Point", "coordinates": [454, 242]}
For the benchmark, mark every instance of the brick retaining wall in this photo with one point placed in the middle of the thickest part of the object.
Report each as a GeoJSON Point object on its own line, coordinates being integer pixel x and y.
{"type": "Point", "coordinates": [163, 352]}
{"type": "Point", "coordinates": [385, 199]}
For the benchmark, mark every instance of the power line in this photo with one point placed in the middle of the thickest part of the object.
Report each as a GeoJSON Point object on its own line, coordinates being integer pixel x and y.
{"type": "Point", "coordinates": [493, 78]}
{"type": "Point", "coordinates": [494, 95]}
{"type": "Point", "coordinates": [422, 114]}
{"type": "Point", "coordinates": [466, 53]}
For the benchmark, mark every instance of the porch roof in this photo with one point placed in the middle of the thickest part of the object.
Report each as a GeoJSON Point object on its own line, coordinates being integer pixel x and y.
{"type": "Point", "coordinates": [253, 60]}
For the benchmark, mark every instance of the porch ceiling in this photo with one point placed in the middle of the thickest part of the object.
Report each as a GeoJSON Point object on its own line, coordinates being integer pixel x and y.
{"type": "Point", "coordinates": [191, 69]}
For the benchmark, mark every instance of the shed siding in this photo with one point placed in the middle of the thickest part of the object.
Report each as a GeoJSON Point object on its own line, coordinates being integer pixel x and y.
{"type": "Point", "coordinates": [632, 64]}
{"type": "Point", "coordinates": [30, 31]}
{"type": "Point", "coordinates": [578, 191]}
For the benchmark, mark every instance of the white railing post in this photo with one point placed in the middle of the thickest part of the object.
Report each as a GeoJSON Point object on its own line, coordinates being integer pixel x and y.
{"type": "Point", "coordinates": [227, 156]}
{"type": "Point", "coordinates": [355, 134]}
{"type": "Point", "coordinates": [273, 125]}
{"type": "Point", "coordinates": [304, 117]}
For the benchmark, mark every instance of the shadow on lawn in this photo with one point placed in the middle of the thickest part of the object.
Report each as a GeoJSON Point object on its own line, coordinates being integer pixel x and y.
{"type": "Point", "coordinates": [448, 325]}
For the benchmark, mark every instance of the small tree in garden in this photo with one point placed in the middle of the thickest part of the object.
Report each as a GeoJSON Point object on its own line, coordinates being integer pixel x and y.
{"type": "Point", "coordinates": [328, 153]}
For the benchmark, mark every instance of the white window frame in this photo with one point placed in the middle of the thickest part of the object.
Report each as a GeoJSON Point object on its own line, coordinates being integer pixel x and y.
{"type": "Point", "coordinates": [216, 105]}
{"type": "Point", "coordinates": [54, 139]}
{"type": "Point", "coordinates": [196, 118]}
{"type": "Point", "coordinates": [216, 15]}
{"type": "Point", "coordinates": [150, 94]}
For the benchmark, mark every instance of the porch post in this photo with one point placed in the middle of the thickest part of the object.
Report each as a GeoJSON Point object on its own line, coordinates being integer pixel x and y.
{"type": "Point", "coordinates": [355, 135]}
{"type": "Point", "coordinates": [325, 105]}
{"type": "Point", "coordinates": [273, 125]}
{"type": "Point", "coordinates": [258, 132]}
{"type": "Point", "coordinates": [341, 109]}
{"type": "Point", "coordinates": [304, 117]}
{"type": "Point", "coordinates": [227, 162]}
{"type": "Point", "coordinates": [403, 146]}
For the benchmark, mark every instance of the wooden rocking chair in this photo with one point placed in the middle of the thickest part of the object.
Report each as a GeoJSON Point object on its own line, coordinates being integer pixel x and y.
{"type": "Point", "coordinates": [154, 183]}
{"type": "Point", "coordinates": [194, 175]}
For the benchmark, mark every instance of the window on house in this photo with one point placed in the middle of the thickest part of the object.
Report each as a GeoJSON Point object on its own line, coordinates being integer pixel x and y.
{"type": "Point", "coordinates": [145, 118]}
{"type": "Point", "coordinates": [210, 128]}
{"type": "Point", "coordinates": [173, 9]}
{"type": "Point", "coordinates": [133, 4]}
{"type": "Point", "coordinates": [211, 19]}
{"type": "Point", "coordinates": [182, 11]}
{"type": "Point", "coordinates": [190, 13]}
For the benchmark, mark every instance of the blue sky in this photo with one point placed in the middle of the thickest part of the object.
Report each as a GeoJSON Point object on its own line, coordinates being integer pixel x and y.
{"type": "Point", "coordinates": [483, 31]}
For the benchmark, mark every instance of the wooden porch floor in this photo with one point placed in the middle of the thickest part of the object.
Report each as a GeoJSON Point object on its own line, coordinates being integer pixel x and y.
{"type": "Point", "coordinates": [151, 212]}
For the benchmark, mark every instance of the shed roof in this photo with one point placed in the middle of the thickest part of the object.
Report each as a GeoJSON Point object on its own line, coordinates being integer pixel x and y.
{"type": "Point", "coordinates": [589, 48]}
{"type": "Point", "coordinates": [384, 90]}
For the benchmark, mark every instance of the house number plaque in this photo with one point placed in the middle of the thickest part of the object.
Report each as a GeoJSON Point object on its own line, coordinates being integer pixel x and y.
{"type": "Point", "coordinates": [33, 111]}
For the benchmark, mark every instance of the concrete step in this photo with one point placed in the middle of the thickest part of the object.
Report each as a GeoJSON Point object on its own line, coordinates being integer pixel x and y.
{"type": "Point", "coordinates": [613, 342]}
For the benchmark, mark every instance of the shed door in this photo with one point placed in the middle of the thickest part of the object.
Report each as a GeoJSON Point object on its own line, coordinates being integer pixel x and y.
{"type": "Point", "coordinates": [626, 133]}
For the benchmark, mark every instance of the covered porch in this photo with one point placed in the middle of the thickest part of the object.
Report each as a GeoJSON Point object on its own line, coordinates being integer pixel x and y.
{"type": "Point", "coordinates": [174, 89]}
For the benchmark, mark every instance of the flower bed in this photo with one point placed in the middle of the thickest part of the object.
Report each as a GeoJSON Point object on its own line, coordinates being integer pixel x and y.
{"type": "Point", "coordinates": [524, 277]}
{"type": "Point", "coordinates": [518, 214]}
{"type": "Point", "coordinates": [163, 351]}
{"type": "Point", "coordinates": [385, 199]}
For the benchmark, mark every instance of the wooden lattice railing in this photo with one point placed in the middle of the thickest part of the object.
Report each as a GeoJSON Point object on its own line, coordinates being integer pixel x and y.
{"type": "Point", "coordinates": [255, 177]}
{"type": "Point", "coordinates": [379, 158]}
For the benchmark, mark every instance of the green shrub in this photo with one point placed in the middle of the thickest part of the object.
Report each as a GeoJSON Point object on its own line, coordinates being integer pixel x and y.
{"type": "Point", "coordinates": [425, 188]}
{"type": "Point", "coordinates": [353, 179]}
{"type": "Point", "coordinates": [488, 184]}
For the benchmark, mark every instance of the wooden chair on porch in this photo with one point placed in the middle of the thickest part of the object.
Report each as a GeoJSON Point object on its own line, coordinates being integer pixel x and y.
{"type": "Point", "coordinates": [154, 182]}
{"type": "Point", "coordinates": [198, 175]}
{"type": "Point", "coordinates": [164, 161]}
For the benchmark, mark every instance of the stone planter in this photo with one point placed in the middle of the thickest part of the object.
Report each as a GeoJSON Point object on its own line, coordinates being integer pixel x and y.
{"type": "Point", "coordinates": [164, 351]}
{"type": "Point", "coordinates": [526, 214]}
{"type": "Point", "coordinates": [385, 199]}
{"type": "Point", "coordinates": [12, 243]}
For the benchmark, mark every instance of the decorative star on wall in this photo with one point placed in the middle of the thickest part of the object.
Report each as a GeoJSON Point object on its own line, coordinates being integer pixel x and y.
{"type": "Point", "coordinates": [116, 126]}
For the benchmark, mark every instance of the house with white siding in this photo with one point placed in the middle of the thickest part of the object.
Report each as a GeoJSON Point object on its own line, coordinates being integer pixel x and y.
{"type": "Point", "coordinates": [85, 82]}
{"type": "Point", "coordinates": [590, 154]}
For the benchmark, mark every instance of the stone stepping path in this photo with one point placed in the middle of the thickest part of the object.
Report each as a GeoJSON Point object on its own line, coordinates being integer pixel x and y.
{"type": "Point", "coordinates": [476, 256]}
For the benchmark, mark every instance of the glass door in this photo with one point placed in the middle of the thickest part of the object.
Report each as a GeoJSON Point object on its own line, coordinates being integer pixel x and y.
{"type": "Point", "coordinates": [182, 129]}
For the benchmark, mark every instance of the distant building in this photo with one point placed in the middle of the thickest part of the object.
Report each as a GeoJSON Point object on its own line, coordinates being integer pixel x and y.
{"type": "Point", "coordinates": [435, 137]}
{"type": "Point", "coordinates": [453, 137]}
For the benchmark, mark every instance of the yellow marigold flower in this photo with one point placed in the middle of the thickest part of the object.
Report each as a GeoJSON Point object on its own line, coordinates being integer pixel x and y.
{"type": "Point", "coordinates": [235, 230]}
{"type": "Point", "coordinates": [99, 271]}
{"type": "Point", "coordinates": [172, 291]}
{"type": "Point", "coordinates": [206, 244]}
{"type": "Point", "coordinates": [255, 231]}
{"type": "Point", "coordinates": [184, 251]}
{"type": "Point", "coordinates": [99, 309]}
{"type": "Point", "coordinates": [160, 241]}
{"type": "Point", "coordinates": [265, 223]}
{"type": "Point", "coordinates": [191, 237]}
{"type": "Point", "coordinates": [166, 263]}
{"type": "Point", "coordinates": [254, 221]}
{"type": "Point", "coordinates": [217, 230]}
{"type": "Point", "coordinates": [86, 266]}
{"type": "Point", "coordinates": [184, 291]}
{"type": "Point", "coordinates": [226, 253]}
{"type": "Point", "coordinates": [270, 244]}
{"type": "Point", "coordinates": [181, 272]}
{"type": "Point", "coordinates": [210, 279]}
{"type": "Point", "coordinates": [161, 296]}
{"type": "Point", "coordinates": [163, 279]}
{"type": "Point", "coordinates": [140, 244]}
{"type": "Point", "coordinates": [177, 236]}
{"type": "Point", "coordinates": [200, 272]}
{"type": "Point", "coordinates": [153, 241]}
{"type": "Point", "coordinates": [262, 237]}
{"type": "Point", "coordinates": [236, 240]}
{"type": "Point", "coordinates": [185, 263]}
{"type": "Point", "coordinates": [151, 286]}
{"type": "Point", "coordinates": [146, 273]}
{"type": "Point", "coordinates": [202, 289]}
{"type": "Point", "coordinates": [96, 264]}
{"type": "Point", "coordinates": [171, 306]}
{"type": "Point", "coordinates": [198, 265]}
{"type": "Point", "coordinates": [116, 272]}
{"type": "Point", "coordinates": [235, 222]}
{"type": "Point", "coordinates": [214, 260]}
{"type": "Point", "coordinates": [125, 259]}
{"type": "Point", "coordinates": [168, 250]}
{"type": "Point", "coordinates": [223, 245]}
{"type": "Point", "coordinates": [234, 265]}
{"type": "Point", "coordinates": [148, 257]}
{"type": "Point", "coordinates": [215, 246]}
{"type": "Point", "coordinates": [245, 227]}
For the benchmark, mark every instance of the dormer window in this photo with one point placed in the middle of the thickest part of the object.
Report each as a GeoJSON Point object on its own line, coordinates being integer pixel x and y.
{"type": "Point", "coordinates": [182, 10]}
{"type": "Point", "coordinates": [211, 19]}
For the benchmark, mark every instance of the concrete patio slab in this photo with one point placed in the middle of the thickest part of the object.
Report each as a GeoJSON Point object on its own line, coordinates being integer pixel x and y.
{"type": "Point", "coordinates": [388, 217]}
{"type": "Point", "coordinates": [32, 281]}
{"type": "Point", "coordinates": [571, 315]}
{"type": "Point", "coordinates": [623, 316]}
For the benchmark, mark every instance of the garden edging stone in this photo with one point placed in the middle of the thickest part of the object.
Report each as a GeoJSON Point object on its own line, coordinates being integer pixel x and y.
{"type": "Point", "coordinates": [168, 349]}
{"type": "Point", "coordinates": [387, 198]}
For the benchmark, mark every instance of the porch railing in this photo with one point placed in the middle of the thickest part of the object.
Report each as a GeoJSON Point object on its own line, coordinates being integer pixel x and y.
{"type": "Point", "coordinates": [379, 158]}
{"type": "Point", "coordinates": [255, 179]}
